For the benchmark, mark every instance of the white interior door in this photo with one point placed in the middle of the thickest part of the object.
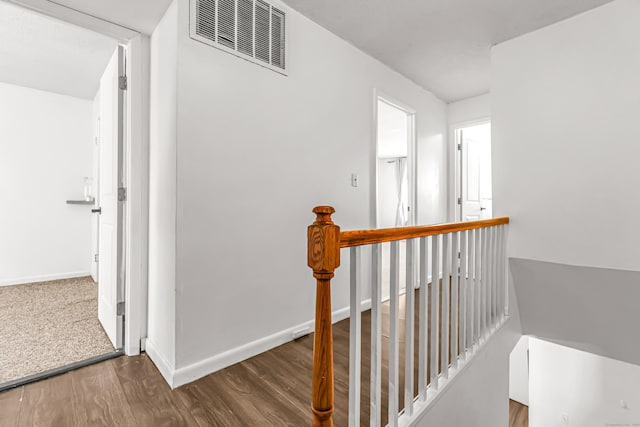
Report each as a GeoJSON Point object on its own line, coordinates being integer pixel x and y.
{"type": "Point", "coordinates": [95, 219]}
{"type": "Point", "coordinates": [475, 198]}
{"type": "Point", "coordinates": [111, 272]}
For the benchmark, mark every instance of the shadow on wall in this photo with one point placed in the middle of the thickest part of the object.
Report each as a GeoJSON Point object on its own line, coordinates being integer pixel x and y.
{"type": "Point", "coordinates": [586, 308]}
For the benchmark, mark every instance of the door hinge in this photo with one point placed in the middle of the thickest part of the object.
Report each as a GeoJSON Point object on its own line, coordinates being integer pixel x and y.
{"type": "Point", "coordinates": [122, 194]}
{"type": "Point", "coordinates": [459, 147]}
{"type": "Point", "coordinates": [459, 200]}
{"type": "Point", "coordinates": [95, 258]}
{"type": "Point", "coordinates": [122, 82]}
{"type": "Point", "coordinates": [120, 309]}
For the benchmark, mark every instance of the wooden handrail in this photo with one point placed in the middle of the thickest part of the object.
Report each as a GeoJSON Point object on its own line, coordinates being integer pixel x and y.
{"type": "Point", "coordinates": [323, 255]}
{"type": "Point", "coordinates": [368, 237]}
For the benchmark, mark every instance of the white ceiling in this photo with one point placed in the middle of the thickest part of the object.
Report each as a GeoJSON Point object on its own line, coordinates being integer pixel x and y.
{"type": "Point", "coordinates": [43, 53]}
{"type": "Point", "coordinates": [443, 45]}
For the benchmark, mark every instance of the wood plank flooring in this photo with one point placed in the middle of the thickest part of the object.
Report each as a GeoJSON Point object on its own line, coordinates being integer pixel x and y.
{"type": "Point", "coordinates": [518, 414]}
{"type": "Point", "coordinates": [271, 389]}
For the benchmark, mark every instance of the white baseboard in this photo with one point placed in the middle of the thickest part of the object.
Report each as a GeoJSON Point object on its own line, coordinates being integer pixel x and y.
{"type": "Point", "coordinates": [166, 369]}
{"type": "Point", "coordinates": [220, 361]}
{"type": "Point", "coordinates": [181, 376]}
{"type": "Point", "coordinates": [44, 278]}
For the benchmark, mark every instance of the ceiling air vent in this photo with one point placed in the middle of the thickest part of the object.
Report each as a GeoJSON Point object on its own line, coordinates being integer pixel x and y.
{"type": "Point", "coordinates": [251, 29]}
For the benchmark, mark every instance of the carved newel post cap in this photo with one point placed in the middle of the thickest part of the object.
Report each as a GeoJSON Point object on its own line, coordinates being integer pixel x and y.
{"type": "Point", "coordinates": [323, 214]}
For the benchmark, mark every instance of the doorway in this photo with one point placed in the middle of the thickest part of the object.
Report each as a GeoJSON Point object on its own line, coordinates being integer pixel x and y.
{"type": "Point", "coordinates": [395, 171]}
{"type": "Point", "coordinates": [62, 159]}
{"type": "Point", "coordinates": [395, 144]}
{"type": "Point", "coordinates": [474, 198]}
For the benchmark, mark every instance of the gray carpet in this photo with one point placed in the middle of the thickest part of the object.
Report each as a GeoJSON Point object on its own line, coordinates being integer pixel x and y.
{"type": "Point", "coordinates": [48, 325]}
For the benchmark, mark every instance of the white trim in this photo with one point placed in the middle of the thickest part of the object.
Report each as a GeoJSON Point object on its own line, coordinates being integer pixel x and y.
{"type": "Point", "coordinates": [44, 278]}
{"type": "Point", "coordinates": [137, 206]}
{"type": "Point", "coordinates": [81, 19]}
{"type": "Point", "coordinates": [166, 369]}
{"type": "Point", "coordinates": [220, 361]}
{"type": "Point", "coordinates": [181, 376]}
{"type": "Point", "coordinates": [453, 181]}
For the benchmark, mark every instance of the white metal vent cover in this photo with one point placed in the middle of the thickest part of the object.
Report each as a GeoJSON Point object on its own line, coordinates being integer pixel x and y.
{"type": "Point", "coordinates": [251, 29]}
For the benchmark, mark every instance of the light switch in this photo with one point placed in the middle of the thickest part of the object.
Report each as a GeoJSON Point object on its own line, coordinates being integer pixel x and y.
{"type": "Point", "coordinates": [354, 179]}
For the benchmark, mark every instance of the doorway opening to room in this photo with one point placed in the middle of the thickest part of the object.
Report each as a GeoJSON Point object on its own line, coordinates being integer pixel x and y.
{"type": "Point", "coordinates": [473, 194]}
{"type": "Point", "coordinates": [395, 176]}
{"type": "Point", "coordinates": [62, 174]}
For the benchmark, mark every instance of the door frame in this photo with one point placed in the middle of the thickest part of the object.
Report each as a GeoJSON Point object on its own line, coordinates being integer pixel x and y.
{"type": "Point", "coordinates": [136, 165]}
{"type": "Point", "coordinates": [455, 166]}
{"type": "Point", "coordinates": [411, 155]}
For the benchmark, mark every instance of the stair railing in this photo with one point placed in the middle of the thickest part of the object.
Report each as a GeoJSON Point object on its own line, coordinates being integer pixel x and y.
{"type": "Point", "coordinates": [467, 261]}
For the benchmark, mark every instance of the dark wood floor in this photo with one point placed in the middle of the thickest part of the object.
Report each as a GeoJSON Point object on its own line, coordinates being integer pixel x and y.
{"type": "Point", "coordinates": [271, 389]}
{"type": "Point", "coordinates": [518, 414]}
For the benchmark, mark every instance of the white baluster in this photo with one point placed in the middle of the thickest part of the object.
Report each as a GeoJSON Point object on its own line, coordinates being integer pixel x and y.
{"type": "Point", "coordinates": [478, 269]}
{"type": "Point", "coordinates": [486, 279]}
{"type": "Point", "coordinates": [409, 329]}
{"type": "Point", "coordinates": [355, 324]}
{"type": "Point", "coordinates": [481, 282]}
{"type": "Point", "coordinates": [496, 273]}
{"type": "Point", "coordinates": [446, 287]}
{"type": "Point", "coordinates": [498, 278]}
{"type": "Point", "coordinates": [503, 269]}
{"type": "Point", "coordinates": [393, 336]}
{"type": "Point", "coordinates": [376, 336]}
{"type": "Point", "coordinates": [473, 288]}
{"type": "Point", "coordinates": [486, 255]}
{"type": "Point", "coordinates": [490, 279]}
{"type": "Point", "coordinates": [464, 294]}
{"type": "Point", "coordinates": [502, 272]}
{"type": "Point", "coordinates": [505, 240]}
{"type": "Point", "coordinates": [435, 287]}
{"type": "Point", "coordinates": [423, 321]}
{"type": "Point", "coordinates": [455, 283]}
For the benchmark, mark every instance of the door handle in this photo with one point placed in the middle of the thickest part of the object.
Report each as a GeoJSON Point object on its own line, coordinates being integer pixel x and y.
{"type": "Point", "coordinates": [97, 210]}
{"type": "Point", "coordinates": [483, 209]}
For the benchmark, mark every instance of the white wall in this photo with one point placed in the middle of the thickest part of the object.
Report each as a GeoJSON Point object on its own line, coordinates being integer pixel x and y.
{"type": "Point", "coordinates": [519, 372]}
{"type": "Point", "coordinates": [587, 308]}
{"type": "Point", "coordinates": [256, 151]}
{"type": "Point", "coordinates": [160, 343]}
{"type": "Point", "coordinates": [585, 387]}
{"type": "Point", "coordinates": [45, 153]}
{"type": "Point", "coordinates": [565, 103]}
{"type": "Point", "coordinates": [470, 109]}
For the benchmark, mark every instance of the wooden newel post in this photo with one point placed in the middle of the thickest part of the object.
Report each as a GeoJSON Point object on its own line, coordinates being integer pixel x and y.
{"type": "Point", "coordinates": [324, 257]}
